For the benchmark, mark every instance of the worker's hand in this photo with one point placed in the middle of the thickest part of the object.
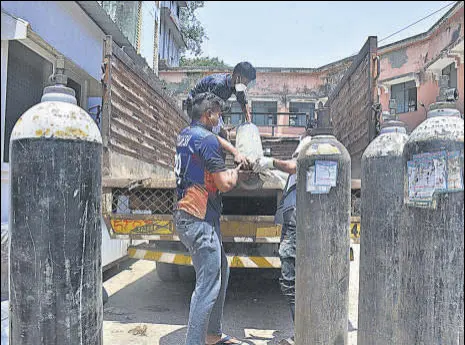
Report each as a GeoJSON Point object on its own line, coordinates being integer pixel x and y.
{"type": "Point", "coordinates": [263, 164]}
{"type": "Point", "coordinates": [241, 159]}
{"type": "Point", "coordinates": [224, 134]}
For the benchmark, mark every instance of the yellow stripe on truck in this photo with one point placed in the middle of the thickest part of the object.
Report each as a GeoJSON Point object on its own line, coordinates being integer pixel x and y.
{"type": "Point", "coordinates": [180, 259]}
{"type": "Point", "coordinates": [232, 230]}
{"type": "Point", "coordinates": [261, 262]}
{"type": "Point", "coordinates": [184, 259]}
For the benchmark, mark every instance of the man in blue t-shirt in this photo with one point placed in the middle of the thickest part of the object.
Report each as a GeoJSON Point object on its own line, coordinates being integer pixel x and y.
{"type": "Point", "coordinates": [201, 175]}
{"type": "Point", "coordinates": [224, 85]}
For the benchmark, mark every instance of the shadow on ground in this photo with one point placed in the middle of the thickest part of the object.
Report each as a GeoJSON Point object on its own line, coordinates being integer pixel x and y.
{"type": "Point", "coordinates": [254, 310]}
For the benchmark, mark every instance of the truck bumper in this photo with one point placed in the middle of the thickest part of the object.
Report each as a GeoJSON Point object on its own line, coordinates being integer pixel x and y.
{"type": "Point", "coordinates": [145, 252]}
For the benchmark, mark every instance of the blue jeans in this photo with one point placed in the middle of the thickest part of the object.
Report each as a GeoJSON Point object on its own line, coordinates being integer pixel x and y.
{"type": "Point", "coordinates": [203, 240]}
{"type": "Point", "coordinates": [287, 251]}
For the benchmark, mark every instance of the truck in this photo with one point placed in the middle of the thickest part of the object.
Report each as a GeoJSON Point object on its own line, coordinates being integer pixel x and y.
{"type": "Point", "coordinates": [139, 125]}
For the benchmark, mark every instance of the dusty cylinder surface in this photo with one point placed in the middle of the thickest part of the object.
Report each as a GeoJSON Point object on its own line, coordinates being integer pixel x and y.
{"type": "Point", "coordinates": [55, 230]}
{"type": "Point", "coordinates": [382, 209]}
{"type": "Point", "coordinates": [431, 307]}
{"type": "Point", "coordinates": [249, 144]}
{"type": "Point", "coordinates": [322, 257]}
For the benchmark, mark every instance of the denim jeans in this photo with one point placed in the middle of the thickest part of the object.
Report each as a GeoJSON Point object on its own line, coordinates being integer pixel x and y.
{"type": "Point", "coordinates": [287, 250]}
{"type": "Point", "coordinates": [203, 240]}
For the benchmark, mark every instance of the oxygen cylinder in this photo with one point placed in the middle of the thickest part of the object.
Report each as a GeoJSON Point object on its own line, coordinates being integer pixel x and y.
{"type": "Point", "coordinates": [382, 210]}
{"type": "Point", "coordinates": [55, 229]}
{"type": "Point", "coordinates": [249, 144]}
{"type": "Point", "coordinates": [431, 306]}
{"type": "Point", "coordinates": [322, 257]}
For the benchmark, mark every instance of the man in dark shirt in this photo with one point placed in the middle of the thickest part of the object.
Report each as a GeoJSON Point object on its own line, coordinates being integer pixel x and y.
{"type": "Point", "coordinates": [224, 85]}
{"type": "Point", "coordinates": [201, 175]}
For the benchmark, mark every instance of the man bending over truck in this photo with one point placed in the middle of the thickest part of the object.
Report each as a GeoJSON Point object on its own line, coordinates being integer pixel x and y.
{"type": "Point", "coordinates": [201, 176]}
{"type": "Point", "coordinates": [224, 85]}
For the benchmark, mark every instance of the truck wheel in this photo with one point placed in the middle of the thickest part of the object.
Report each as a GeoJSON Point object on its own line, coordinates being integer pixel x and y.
{"type": "Point", "coordinates": [187, 273]}
{"type": "Point", "coordinates": [167, 272]}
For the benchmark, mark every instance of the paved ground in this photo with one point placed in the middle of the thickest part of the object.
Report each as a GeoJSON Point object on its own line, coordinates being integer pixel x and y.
{"type": "Point", "coordinates": [143, 310]}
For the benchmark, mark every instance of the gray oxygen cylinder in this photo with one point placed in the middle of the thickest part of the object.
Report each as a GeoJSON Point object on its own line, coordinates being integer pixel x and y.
{"type": "Point", "coordinates": [431, 308]}
{"type": "Point", "coordinates": [55, 229]}
{"type": "Point", "coordinates": [322, 257]}
{"type": "Point", "coordinates": [249, 144]}
{"type": "Point", "coordinates": [382, 210]}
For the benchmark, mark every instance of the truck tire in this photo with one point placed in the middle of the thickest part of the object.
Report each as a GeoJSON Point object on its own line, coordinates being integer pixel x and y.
{"type": "Point", "coordinates": [186, 273]}
{"type": "Point", "coordinates": [167, 272]}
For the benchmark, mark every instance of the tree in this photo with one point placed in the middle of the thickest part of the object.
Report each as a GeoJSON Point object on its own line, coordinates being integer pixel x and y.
{"type": "Point", "coordinates": [191, 28]}
{"type": "Point", "coordinates": [202, 62]}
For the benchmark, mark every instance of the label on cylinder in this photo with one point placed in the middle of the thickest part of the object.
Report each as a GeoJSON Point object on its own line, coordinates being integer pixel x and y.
{"type": "Point", "coordinates": [321, 177]}
{"type": "Point", "coordinates": [434, 172]}
{"type": "Point", "coordinates": [323, 149]}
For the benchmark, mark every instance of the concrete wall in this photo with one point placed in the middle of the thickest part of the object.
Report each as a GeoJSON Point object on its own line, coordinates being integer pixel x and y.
{"type": "Point", "coordinates": [126, 16]}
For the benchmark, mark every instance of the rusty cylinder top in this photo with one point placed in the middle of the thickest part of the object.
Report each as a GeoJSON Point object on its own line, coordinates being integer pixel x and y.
{"type": "Point", "coordinates": [57, 116]}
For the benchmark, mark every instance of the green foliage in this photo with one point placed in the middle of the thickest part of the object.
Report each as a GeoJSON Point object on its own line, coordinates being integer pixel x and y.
{"type": "Point", "coordinates": [191, 28]}
{"type": "Point", "coordinates": [202, 62]}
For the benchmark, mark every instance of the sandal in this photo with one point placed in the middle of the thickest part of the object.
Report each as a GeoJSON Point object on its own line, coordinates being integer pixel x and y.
{"type": "Point", "coordinates": [228, 340]}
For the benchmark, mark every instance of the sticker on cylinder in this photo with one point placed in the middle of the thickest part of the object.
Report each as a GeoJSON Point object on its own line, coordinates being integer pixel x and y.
{"type": "Point", "coordinates": [323, 149]}
{"type": "Point", "coordinates": [321, 177]}
{"type": "Point", "coordinates": [434, 172]}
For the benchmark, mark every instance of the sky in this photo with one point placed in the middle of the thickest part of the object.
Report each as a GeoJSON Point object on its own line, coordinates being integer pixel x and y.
{"type": "Point", "coordinates": [307, 33]}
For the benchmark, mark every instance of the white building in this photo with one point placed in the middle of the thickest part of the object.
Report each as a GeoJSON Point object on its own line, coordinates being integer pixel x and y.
{"type": "Point", "coordinates": [171, 43]}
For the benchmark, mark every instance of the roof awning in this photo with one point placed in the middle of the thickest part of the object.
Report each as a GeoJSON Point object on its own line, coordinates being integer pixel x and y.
{"type": "Point", "coordinates": [387, 83]}
{"type": "Point", "coordinates": [14, 28]}
{"type": "Point", "coordinates": [450, 56]}
{"type": "Point", "coordinates": [458, 51]}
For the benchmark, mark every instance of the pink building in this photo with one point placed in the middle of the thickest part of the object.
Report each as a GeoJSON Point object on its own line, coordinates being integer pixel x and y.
{"type": "Point", "coordinates": [277, 93]}
{"type": "Point", "coordinates": [284, 99]}
{"type": "Point", "coordinates": [410, 68]}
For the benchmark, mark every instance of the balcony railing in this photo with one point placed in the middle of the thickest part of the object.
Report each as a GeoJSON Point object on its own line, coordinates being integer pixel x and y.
{"type": "Point", "coordinates": [270, 119]}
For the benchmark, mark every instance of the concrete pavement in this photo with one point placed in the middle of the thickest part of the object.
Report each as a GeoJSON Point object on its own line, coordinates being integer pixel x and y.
{"type": "Point", "coordinates": [143, 310]}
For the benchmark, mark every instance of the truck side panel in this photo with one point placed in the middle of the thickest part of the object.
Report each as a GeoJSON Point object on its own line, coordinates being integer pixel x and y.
{"type": "Point", "coordinates": [353, 105]}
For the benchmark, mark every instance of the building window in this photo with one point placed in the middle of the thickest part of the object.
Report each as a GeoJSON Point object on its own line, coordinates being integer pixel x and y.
{"type": "Point", "coordinates": [264, 113]}
{"type": "Point", "coordinates": [233, 117]}
{"type": "Point", "coordinates": [300, 120]}
{"type": "Point", "coordinates": [451, 72]}
{"type": "Point", "coordinates": [405, 95]}
{"type": "Point", "coordinates": [28, 74]}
